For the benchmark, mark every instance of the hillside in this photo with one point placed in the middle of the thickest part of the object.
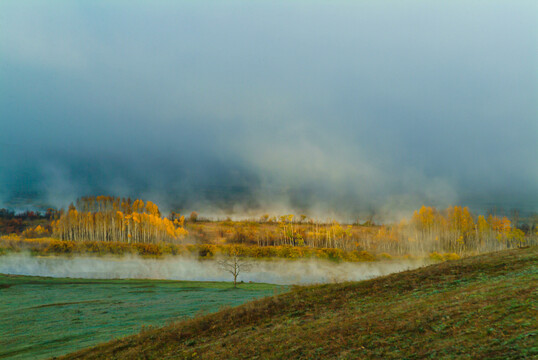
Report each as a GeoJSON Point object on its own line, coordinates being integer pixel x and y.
{"type": "Point", "coordinates": [477, 307]}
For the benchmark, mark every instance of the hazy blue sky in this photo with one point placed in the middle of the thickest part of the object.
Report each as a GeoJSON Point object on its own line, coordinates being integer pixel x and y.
{"type": "Point", "coordinates": [329, 106]}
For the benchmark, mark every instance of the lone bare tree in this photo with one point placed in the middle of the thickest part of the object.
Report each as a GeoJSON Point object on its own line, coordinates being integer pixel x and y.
{"type": "Point", "coordinates": [235, 264]}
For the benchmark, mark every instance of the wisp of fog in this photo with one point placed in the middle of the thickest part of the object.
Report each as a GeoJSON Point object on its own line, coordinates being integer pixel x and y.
{"type": "Point", "coordinates": [184, 268]}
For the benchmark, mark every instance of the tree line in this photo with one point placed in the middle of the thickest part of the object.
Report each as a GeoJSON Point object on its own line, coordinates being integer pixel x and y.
{"type": "Point", "coordinates": [106, 218]}
{"type": "Point", "coordinates": [453, 230]}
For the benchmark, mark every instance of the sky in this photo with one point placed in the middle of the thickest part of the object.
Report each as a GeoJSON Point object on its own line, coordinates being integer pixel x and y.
{"type": "Point", "coordinates": [329, 108]}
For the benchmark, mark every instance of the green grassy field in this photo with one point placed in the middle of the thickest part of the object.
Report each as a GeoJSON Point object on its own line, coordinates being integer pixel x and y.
{"type": "Point", "coordinates": [479, 307]}
{"type": "Point", "coordinates": [44, 317]}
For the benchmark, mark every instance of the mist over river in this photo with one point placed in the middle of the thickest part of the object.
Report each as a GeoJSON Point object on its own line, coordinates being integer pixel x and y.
{"type": "Point", "coordinates": [283, 272]}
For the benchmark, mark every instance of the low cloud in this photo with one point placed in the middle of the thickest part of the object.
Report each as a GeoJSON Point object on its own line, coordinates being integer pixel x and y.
{"type": "Point", "coordinates": [324, 108]}
{"type": "Point", "coordinates": [190, 269]}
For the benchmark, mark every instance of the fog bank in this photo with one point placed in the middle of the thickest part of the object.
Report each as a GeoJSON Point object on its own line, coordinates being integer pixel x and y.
{"type": "Point", "coordinates": [323, 108]}
{"type": "Point", "coordinates": [182, 268]}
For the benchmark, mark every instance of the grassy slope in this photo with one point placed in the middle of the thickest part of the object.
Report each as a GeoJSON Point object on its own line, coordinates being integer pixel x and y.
{"type": "Point", "coordinates": [479, 307]}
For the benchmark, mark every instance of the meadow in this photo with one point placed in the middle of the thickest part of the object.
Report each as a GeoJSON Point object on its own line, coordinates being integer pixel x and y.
{"type": "Point", "coordinates": [43, 317]}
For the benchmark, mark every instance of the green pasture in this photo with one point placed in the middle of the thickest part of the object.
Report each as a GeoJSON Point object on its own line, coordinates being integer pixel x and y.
{"type": "Point", "coordinates": [45, 317]}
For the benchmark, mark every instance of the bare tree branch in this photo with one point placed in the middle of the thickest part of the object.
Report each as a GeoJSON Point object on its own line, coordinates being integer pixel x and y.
{"type": "Point", "coordinates": [234, 264]}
